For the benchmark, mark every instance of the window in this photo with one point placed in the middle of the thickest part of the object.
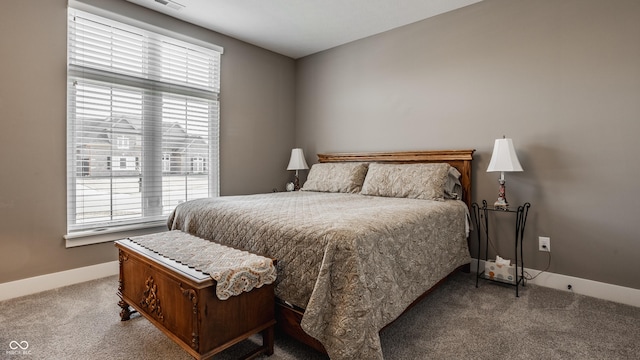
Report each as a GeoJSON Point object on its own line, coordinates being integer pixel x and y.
{"type": "Point", "coordinates": [83, 166]}
{"type": "Point", "coordinates": [197, 164]}
{"type": "Point", "coordinates": [166, 162]}
{"type": "Point", "coordinates": [141, 108]}
{"type": "Point", "coordinates": [123, 142]}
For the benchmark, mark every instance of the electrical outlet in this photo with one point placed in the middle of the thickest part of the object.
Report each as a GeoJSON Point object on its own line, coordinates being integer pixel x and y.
{"type": "Point", "coordinates": [544, 243]}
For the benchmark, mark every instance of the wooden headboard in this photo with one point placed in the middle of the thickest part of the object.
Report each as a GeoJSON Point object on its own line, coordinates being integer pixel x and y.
{"type": "Point", "coordinates": [460, 159]}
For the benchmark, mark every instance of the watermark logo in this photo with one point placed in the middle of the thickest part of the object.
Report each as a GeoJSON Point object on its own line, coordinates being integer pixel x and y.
{"type": "Point", "coordinates": [18, 348]}
{"type": "Point", "coordinates": [14, 345]}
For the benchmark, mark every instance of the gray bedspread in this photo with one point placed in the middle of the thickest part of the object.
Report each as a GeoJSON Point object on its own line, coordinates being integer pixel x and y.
{"type": "Point", "coordinates": [353, 262]}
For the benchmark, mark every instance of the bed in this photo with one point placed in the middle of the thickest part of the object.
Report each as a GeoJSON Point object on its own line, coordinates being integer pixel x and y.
{"type": "Point", "coordinates": [368, 236]}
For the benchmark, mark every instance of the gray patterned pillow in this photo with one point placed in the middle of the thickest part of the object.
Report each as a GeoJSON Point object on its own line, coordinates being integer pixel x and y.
{"type": "Point", "coordinates": [413, 181]}
{"type": "Point", "coordinates": [336, 177]}
{"type": "Point", "coordinates": [453, 187]}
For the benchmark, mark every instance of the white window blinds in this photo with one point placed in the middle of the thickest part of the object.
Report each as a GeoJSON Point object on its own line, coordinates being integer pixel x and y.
{"type": "Point", "coordinates": [142, 128]}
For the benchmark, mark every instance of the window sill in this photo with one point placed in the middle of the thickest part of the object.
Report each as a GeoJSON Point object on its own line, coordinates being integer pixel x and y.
{"type": "Point", "coordinates": [91, 237]}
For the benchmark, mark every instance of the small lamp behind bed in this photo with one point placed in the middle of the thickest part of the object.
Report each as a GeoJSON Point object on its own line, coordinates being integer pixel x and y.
{"type": "Point", "coordinates": [297, 162]}
{"type": "Point", "coordinates": [503, 159]}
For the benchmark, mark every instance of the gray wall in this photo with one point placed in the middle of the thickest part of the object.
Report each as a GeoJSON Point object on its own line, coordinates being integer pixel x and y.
{"type": "Point", "coordinates": [562, 78]}
{"type": "Point", "coordinates": [257, 129]}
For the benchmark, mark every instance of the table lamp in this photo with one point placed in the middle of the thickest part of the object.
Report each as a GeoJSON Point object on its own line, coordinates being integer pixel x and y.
{"type": "Point", "coordinates": [503, 159]}
{"type": "Point", "coordinates": [297, 162]}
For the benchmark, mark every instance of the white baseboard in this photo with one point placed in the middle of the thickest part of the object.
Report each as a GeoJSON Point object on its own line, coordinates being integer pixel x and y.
{"type": "Point", "coordinates": [600, 290]}
{"type": "Point", "coordinates": [37, 284]}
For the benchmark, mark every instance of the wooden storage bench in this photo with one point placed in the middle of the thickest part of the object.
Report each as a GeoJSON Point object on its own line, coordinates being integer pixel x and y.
{"type": "Point", "coordinates": [182, 303]}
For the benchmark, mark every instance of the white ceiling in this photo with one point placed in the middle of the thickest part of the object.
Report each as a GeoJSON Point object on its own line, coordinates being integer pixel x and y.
{"type": "Point", "coordinates": [297, 28]}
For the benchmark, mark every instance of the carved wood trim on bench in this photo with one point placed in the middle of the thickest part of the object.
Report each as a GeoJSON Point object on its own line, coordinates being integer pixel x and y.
{"type": "Point", "coordinates": [125, 312]}
{"type": "Point", "coordinates": [150, 299]}
{"type": "Point", "coordinates": [192, 295]}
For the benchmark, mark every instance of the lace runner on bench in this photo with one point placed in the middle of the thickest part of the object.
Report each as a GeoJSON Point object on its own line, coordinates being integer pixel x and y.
{"type": "Point", "coordinates": [234, 270]}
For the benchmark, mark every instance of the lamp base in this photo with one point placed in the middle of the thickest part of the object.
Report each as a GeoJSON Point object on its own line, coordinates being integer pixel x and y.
{"type": "Point", "coordinates": [501, 203]}
{"type": "Point", "coordinates": [296, 182]}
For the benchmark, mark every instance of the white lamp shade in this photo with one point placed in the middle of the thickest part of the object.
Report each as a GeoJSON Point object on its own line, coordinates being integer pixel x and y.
{"type": "Point", "coordinates": [504, 157]}
{"type": "Point", "coordinates": [297, 161]}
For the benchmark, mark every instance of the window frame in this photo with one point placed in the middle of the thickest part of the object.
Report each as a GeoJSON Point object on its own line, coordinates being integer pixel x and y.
{"type": "Point", "coordinates": [78, 235]}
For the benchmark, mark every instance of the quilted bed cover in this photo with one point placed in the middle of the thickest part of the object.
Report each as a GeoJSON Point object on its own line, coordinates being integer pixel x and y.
{"type": "Point", "coordinates": [353, 262]}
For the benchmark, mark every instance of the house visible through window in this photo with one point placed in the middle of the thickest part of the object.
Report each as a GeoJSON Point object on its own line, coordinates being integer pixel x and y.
{"type": "Point", "coordinates": [142, 123]}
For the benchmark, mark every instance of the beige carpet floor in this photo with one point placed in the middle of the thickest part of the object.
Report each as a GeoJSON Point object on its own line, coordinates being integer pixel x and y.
{"type": "Point", "coordinates": [457, 321]}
